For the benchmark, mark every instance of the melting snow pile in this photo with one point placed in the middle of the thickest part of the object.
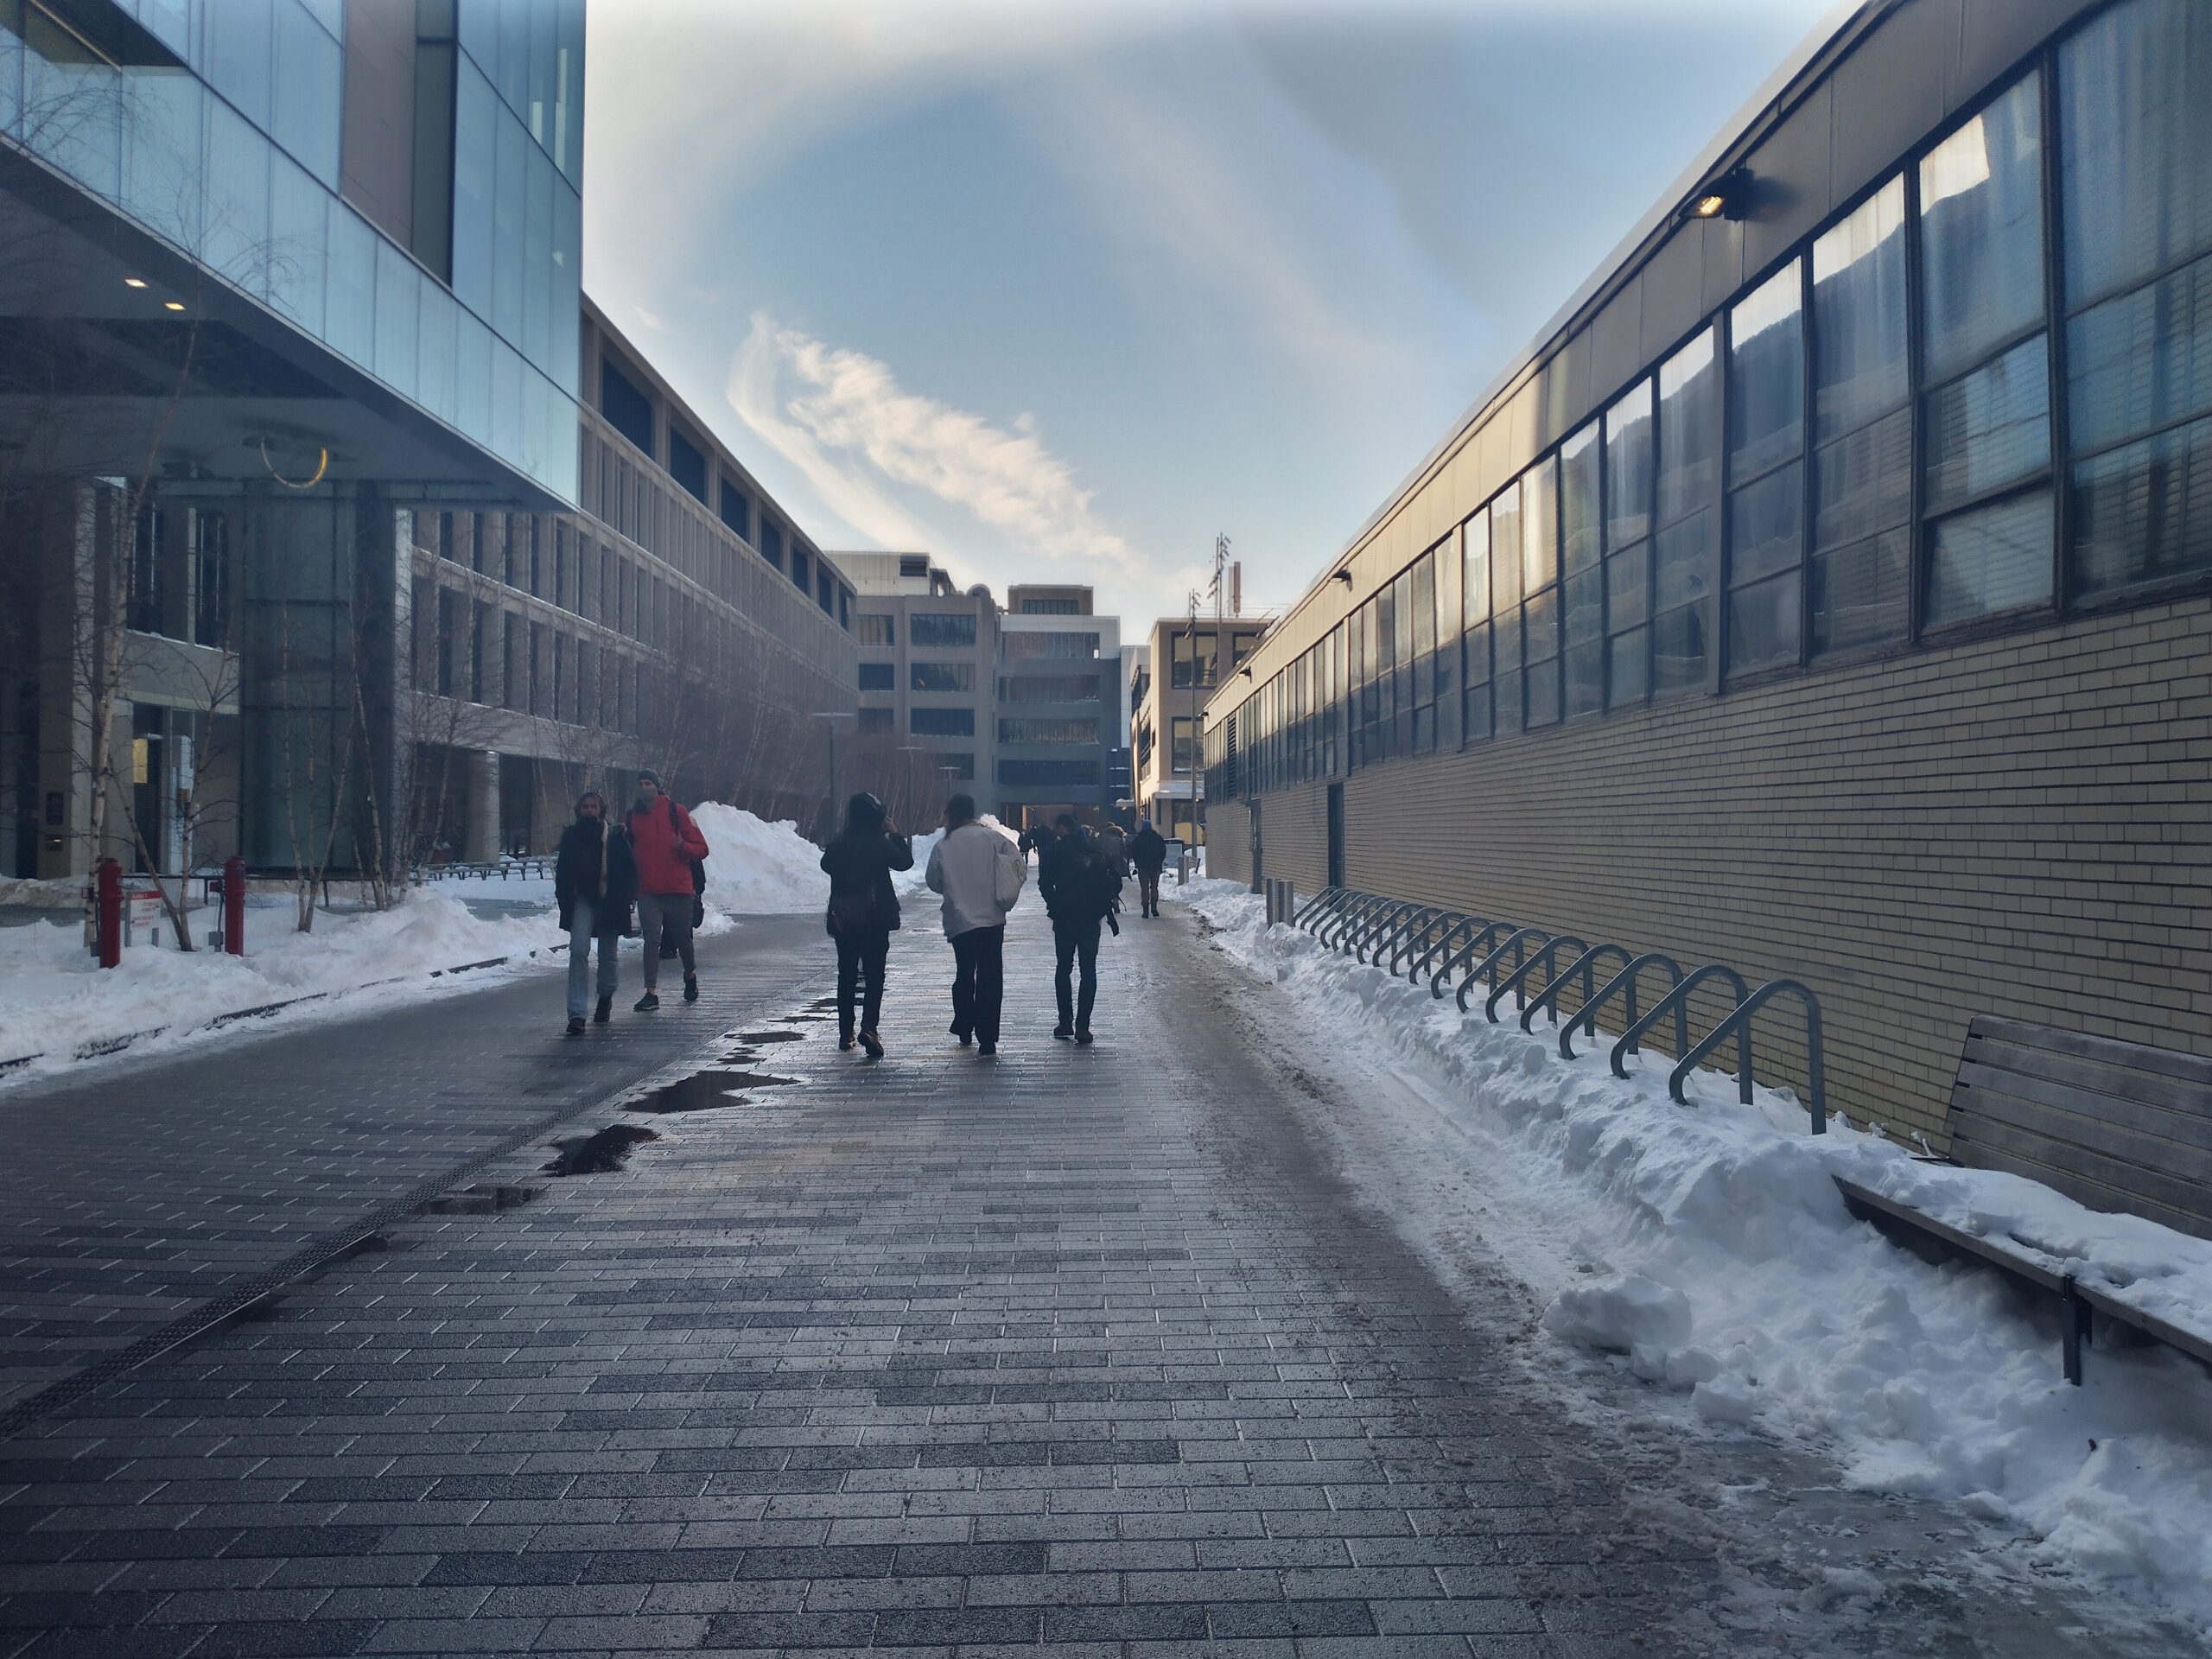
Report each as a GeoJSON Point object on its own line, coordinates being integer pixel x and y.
{"type": "Point", "coordinates": [755, 868]}
{"type": "Point", "coordinates": [1708, 1246]}
{"type": "Point", "coordinates": [54, 998]}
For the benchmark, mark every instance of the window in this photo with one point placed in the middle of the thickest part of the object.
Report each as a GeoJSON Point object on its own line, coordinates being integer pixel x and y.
{"type": "Point", "coordinates": [1685, 550]}
{"type": "Point", "coordinates": [1986, 432]}
{"type": "Point", "coordinates": [1080, 774]}
{"type": "Point", "coordinates": [879, 676]}
{"type": "Point", "coordinates": [1862, 428]}
{"type": "Point", "coordinates": [2136, 154]}
{"type": "Point", "coordinates": [1582, 580]}
{"type": "Point", "coordinates": [772, 541]}
{"type": "Point", "coordinates": [737, 512]}
{"type": "Point", "coordinates": [1020, 645]}
{"type": "Point", "coordinates": [875, 722]}
{"type": "Point", "coordinates": [1051, 607]}
{"type": "Point", "coordinates": [1506, 573]}
{"type": "Point", "coordinates": [1766, 474]}
{"type": "Point", "coordinates": [913, 565]}
{"type": "Point", "coordinates": [1628, 547]}
{"type": "Point", "coordinates": [941, 630]}
{"type": "Point", "coordinates": [1540, 600]}
{"type": "Point", "coordinates": [1474, 640]}
{"type": "Point", "coordinates": [941, 676]}
{"type": "Point", "coordinates": [962, 766]}
{"type": "Point", "coordinates": [1181, 728]}
{"type": "Point", "coordinates": [629, 410]}
{"type": "Point", "coordinates": [1048, 688]}
{"type": "Point", "coordinates": [211, 580]}
{"type": "Point", "coordinates": [826, 592]}
{"type": "Point", "coordinates": [1033, 730]}
{"type": "Point", "coordinates": [941, 722]}
{"type": "Point", "coordinates": [1207, 647]}
{"type": "Point", "coordinates": [876, 628]}
{"type": "Point", "coordinates": [687, 464]}
{"type": "Point", "coordinates": [801, 573]}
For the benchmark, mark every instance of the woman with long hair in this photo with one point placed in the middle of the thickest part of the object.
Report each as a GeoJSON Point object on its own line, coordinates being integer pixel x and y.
{"type": "Point", "coordinates": [863, 913]}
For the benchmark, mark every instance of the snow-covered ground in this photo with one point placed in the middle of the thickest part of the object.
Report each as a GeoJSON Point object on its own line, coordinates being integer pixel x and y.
{"type": "Point", "coordinates": [57, 1002]}
{"type": "Point", "coordinates": [1708, 1246]}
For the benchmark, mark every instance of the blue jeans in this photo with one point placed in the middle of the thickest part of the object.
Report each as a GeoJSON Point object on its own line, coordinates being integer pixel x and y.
{"type": "Point", "coordinates": [583, 929]}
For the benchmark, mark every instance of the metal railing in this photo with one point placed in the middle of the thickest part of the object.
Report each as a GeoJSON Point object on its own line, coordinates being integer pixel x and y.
{"type": "Point", "coordinates": [1400, 935]}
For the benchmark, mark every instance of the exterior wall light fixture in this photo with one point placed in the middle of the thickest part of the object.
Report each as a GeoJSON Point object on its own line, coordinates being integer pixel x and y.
{"type": "Point", "coordinates": [1344, 576]}
{"type": "Point", "coordinates": [1728, 196]}
{"type": "Point", "coordinates": [134, 282]}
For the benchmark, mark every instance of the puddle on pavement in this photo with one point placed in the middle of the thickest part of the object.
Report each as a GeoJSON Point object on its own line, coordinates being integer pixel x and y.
{"type": "Point", "coordinates": [597, 1155]}
{"type": "Point", "coordinates": [483, 1200]}
{"type": "Point", "coordinates": [768, 1036]}
{"type": "Point", "coordinates": [706, 1090]}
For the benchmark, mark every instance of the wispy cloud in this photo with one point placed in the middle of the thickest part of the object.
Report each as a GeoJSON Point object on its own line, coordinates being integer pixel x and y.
{"type": "Point", "coordinates": [843, 418]}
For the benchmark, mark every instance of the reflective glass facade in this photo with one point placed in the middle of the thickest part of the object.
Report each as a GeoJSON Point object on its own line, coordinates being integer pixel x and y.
{"type": "Point", "coordinates": [220, 129]}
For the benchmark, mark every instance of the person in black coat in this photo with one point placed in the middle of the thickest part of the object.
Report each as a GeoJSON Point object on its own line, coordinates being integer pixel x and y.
{"type": "Point", "coordinates": [595, 882]}
{"type": "Point", "coordinates": [1148, 852]}
{"type": "Point", "coordinates": [1081, 889]}
{"type": "Point", "coordinates": [863, 913]}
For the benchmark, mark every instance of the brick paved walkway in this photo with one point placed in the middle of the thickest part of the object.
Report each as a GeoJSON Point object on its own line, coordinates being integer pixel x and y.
{"type": "Point", "coordinates": [141, 1188]}
{"type": "Point", "coordinates": [1084, 1348]}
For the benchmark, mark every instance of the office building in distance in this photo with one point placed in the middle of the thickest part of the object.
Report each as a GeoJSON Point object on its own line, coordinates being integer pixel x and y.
{"type": "Point", "coordinates": [1164, 709]}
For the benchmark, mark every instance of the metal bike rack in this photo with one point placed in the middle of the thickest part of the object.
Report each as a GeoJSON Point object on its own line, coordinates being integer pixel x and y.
{"type": "Point", "coordinates": [1432, 921]}
{"type": "Point", "coordinates": [1380, 925]}
{"type": "Point", "coordinates": [1403, 931]}
{"type": "Point", "coordinates": [1305, 913]}
{"type": "Point", "coordinates": [1484, 936]}
{"type": "Point", "coordinates": [1517, 942]}
{"type": "Point", "coordinates": [1676, 1001]}
{"type": "Point", "coordinates": [1548, 957]}
{"type": "Point", "coordinates": [1586, 966]}
{"type": "Point", "coordinates": [1739, 1021]}
{"type": "Point", "coordinates": [1625, 981]}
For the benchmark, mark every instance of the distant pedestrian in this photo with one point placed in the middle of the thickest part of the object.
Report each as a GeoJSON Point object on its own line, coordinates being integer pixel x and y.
{"type": "Point", "coordinates": [667, 848]}
{"type": "Point", "coordinates": [1080, 888]}
{"type": "Point", "coordinates": [594, 881]}
{"type": "Point", "coordinates": [1148, 852]}
{"type": "Point", "coordinates": [863, 913]}
{"type": "Point", "coordinates": [981, 874]}
{"type": "Point", "coordinates": [1114, 844]}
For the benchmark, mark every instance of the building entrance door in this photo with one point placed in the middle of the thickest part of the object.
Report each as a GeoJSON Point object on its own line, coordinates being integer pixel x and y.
{"type": "Point", "coordinates": [1256, 877]}
{"type": "Point", "coordinates": [1336, 834]}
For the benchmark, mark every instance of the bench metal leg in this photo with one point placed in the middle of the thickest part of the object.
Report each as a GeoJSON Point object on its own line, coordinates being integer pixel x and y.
{"type": "Point", "coordinates": [2077, 1333]}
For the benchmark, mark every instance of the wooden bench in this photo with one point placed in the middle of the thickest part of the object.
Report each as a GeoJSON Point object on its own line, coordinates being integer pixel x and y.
{"type": "Point", "coordinates": [2117, 1127]}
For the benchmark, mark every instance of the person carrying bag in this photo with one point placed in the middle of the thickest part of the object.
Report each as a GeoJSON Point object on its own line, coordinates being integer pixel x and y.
{"type": "Point", "coordinates": [862, 914]}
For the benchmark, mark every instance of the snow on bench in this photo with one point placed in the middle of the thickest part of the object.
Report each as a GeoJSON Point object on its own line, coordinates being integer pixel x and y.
{"type": "Point", "coordinates": [2119, 1128]}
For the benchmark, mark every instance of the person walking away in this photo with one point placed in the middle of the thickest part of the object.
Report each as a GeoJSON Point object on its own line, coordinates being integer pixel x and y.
{"type": "Point", "coordinates": [1114, 844]}
{"type": "Point", "coordinates": [1148, 852]}
{"type": "Point", "coordinates": [594, 881]}
{"type": "Point", "coordinates": [665, 843]}
{"type": "Point", "coordinates": [981, 874]}
{"type": "Point", "coordinates": [863, 913]}
{"type": "Point", "coordinates": [1080, 885]}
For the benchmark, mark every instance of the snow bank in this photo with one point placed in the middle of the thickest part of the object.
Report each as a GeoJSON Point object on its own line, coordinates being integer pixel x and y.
{"type": "Point", "coordinates": [54, 998]}
{"type": "Point", "coordinates": [756, 868]}
{"type": "Point", "coordinates": [912, 881]}
{"type": "Point", "coordinates": [1710, 1249]}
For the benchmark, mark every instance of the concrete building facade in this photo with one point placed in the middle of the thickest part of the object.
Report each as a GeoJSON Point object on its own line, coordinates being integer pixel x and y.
{"type": "Point", "coordinates": [1828, 590]}
{"type": "Point", "coordinates": [1181, 667]}
{"type": "Point", "coordinates": [1057, 706]}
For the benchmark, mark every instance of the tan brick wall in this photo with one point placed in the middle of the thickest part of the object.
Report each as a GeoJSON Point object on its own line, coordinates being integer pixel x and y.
{"type": "Point", "coordinates": [2019, 826]}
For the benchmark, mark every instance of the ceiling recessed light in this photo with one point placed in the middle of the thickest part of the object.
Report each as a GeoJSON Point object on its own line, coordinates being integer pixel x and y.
{"type": "Point", "coordinates": [173, 305]}
{"type": "Point", "coordinates": [134, 282]}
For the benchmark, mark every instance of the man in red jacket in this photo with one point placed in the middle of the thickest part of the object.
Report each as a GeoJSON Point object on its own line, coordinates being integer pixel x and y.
{"type": "Point", "coordinates": [664, 844]}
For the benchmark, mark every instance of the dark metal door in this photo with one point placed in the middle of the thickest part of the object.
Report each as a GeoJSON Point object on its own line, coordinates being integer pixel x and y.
{"type": "Point", "coordinates": [1336, 834]}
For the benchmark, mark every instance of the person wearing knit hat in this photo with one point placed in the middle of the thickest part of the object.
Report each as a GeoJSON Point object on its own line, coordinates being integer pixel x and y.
{"type": "Point", "coordinates": [668, 848]}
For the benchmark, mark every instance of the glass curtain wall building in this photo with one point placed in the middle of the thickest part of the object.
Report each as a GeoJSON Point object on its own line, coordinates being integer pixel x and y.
{"type": "Point", "coordinates": [1889, 472]}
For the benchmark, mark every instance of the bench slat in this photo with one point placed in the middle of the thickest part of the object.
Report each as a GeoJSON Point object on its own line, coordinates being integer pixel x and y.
{"type": "Point", "coordinates": [2025, 1155]}
{"type": "Point", "coordinates": [2195, 1345]}
{"type": "Point", "coordinates": [2127, 1129]}
{"type": "Point", "coordinates": [2001, 1253]}
{"type": "Point", "coordinates": [2094, 1076]}
{"type": "Point", "coordinates": [2139, 1056]}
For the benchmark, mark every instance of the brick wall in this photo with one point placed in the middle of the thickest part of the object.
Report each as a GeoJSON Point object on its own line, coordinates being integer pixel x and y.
{"type": "Point", "coordinates": [2019, 826]}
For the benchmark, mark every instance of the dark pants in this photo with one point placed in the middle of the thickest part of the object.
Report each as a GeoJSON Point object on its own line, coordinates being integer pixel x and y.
{"type": "Point", "coordinates": [978, 982]}
{"type": "Point", "coordinates": [860, 963]}
{"type": "Point", "coordinates": [1148, 892]}
{"type": "Point", "coordinates": [665, 915]}
{"type": "Point", "coordinates": [1074, 942]}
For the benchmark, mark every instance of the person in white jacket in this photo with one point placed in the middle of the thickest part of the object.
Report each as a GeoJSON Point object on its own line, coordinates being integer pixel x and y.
{"type": "Point", "coordinates": [981, 874]}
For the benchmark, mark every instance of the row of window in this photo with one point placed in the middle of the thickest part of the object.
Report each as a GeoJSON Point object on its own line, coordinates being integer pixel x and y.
{"type": "Point", "coordinates": [1907, 430]}
{"type": "Point", "coordinates": [920, 677]}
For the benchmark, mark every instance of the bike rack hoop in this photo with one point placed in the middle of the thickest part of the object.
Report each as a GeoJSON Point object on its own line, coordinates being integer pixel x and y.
{"type": "Point", "coordinates": [1739, 1021]}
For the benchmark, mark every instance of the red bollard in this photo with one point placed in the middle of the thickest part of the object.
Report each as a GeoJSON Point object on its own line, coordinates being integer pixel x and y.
{"type": "Point", "coordinates": [234, 906]}
{"type": "Point", "coordinates": [110, 912]}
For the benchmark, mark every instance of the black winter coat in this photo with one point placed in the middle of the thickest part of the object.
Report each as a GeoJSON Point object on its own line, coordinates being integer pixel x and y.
{"type": "Point", "coordinates": [1148, 850]}
{"type": "Point", "coordinates": [1079, 884]}
{"type": "Point", "coordinates": [590, 847]}
{"type": "Point", "coordinates": [862, 896]}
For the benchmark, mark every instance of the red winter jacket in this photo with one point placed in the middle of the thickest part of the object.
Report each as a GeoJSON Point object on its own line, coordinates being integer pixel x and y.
{"type": "Point", "coordinates": [664, 841]}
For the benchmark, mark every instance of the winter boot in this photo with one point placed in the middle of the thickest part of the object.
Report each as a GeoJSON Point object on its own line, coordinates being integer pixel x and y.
{"type": "Point", "coordinates": [577, 1025]}
{"type": "Point", "coordinates": [1083, 1035]}
{"type": "Point", "coordinates": [873, 1043]}
{"type": "Point", "coordinates": [604, 1012]}
{"type": "Point", "coordinates": [690, 988]}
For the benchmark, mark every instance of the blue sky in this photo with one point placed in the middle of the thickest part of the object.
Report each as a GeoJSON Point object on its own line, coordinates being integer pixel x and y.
{"type": "Point", "coordinates": [1057, 291]}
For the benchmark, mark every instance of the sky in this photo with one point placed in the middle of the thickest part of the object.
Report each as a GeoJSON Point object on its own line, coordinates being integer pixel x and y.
{"type": "Point", "coordinates": [1059, 290]}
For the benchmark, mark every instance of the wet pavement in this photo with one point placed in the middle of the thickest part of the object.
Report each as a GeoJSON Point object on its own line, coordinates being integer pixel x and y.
{"type": "Point", "coordinates": [1085, 1348]}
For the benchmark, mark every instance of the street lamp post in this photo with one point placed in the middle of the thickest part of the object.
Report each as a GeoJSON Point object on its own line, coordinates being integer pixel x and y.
{"type": "Point", "coordinates": [832, 716]}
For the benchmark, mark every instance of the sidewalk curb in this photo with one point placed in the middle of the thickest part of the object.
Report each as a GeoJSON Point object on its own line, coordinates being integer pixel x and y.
{"type": "Point", "coordinates": [100, 1047]}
